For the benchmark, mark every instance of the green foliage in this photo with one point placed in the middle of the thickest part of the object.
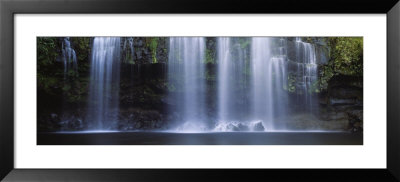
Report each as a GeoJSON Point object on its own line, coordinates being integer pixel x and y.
{"type": "Point", "coordinates": [308, 39]}
{"type": "Point", "coordinates": [327, 73]}
{"type": "Point", "coordinates": [315, 88]}
{"type": "Point", "coordinates": [50, 72]}
{"type": "Point", "coordinates": [82, 47]}
{"type": "Point", "coordinates": [75, 87]}
{"type": "Point", "coordinates": [210, 52]}
{"type": "Point", "coordinates": [66, 88]}
{"type": "Point", "coordinates": [209, 57]}
{"type": "Point", "coordinates": [76, 90]}
{"type": "Point", "coordinates": [47, 83]}
{"type": "Point", "coordinates": [152, 43]}
{"type": "Point", "coordinates": [46, 51]}
{"type": "Point", "coordinates": [346, 58]}
{"type": "Point", "coordinates": [291, 81]}
{"type": "Point", "coordinates": [244, 42]}
{"type": "Point", "coordinates": [347, 55]}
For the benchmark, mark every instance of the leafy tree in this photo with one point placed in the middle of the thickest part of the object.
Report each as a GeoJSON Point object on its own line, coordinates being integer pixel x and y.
{"type": "Point", "coordinates": [346, 58]}
{"type": "Point", "coordinates": [347, 55]}
{"type": "Point", "coordinates": [46, 51]}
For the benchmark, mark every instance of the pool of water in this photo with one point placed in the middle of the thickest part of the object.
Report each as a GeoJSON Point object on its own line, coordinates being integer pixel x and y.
{"type": "Point", "coordinates": [206, 138]}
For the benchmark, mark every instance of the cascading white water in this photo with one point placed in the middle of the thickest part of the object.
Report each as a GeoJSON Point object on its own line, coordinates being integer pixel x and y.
{"type": "Point", "coordinates": [185, 65]}
{"type": "Point", "coordinates": [231, 80]}
{"type": "Point", "coordinates": [224, 82]}
{"type": "Point", "coordinates": [269, 86]}
{"type": "Point", "coordinates": [307, 71]}
{"type": "Point", "coordinates": [104, 83]}
{"type": "Point", "coordinates": [269, 76]}
{"type": "Point", "coordinates": [70, 63]}
{"type": "Point", "coordinates": [68, 57]}
{"type": "Point", "coordinates": [254, 99]}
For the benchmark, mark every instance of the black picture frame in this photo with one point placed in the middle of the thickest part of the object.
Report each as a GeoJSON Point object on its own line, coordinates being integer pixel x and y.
{"type": "Point", "coordinates": [8, 8]}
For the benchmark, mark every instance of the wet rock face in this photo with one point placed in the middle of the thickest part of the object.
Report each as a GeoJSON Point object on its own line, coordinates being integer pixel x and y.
{"type": "Point", "coordinates": [48, 122]}
{"type": "Point", "coordinates": [137, 50]}
{"type": "Point", "coordinates": [343, 94]}
{"type": "Point", "coordinates": [355, 121]}
{"type": "Point", "coordinates": [344, 91]}
{"type": "Point", "coordinates": [322, 54]}
{"type": "Point", "coordinates": [138, 119]}
{"type": "Point", "coordinates": [321, 51]}
{"type": "Point", "coordinates": [334, 101]}
{"type": "Point", "coordinates": [344, 101]}
{"type": "Point", "coordinates": [66, 121]}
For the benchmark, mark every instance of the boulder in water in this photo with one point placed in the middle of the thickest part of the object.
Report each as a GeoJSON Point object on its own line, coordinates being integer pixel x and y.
{"type": "Point", "coordinates": [242, 127]}
{"type": "Point", "coordinates": [239, 126]}
{"type": "Point", "coordinates": [258, 127]}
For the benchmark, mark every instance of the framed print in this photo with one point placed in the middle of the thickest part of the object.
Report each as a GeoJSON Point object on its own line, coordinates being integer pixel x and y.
{"type": "Point", "coordinates": [154, 90]}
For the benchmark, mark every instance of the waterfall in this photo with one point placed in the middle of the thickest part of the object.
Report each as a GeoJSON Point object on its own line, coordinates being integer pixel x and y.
{"type": "Point", "coordinates": [231, 80]}
{"type": "Point", "coordinates": [256, 99]}
{"type": "Point", "coordinates": [306, 72]}
{"type": "Point", "coordinates": [104, 83]}
{"type": "Point", "coordinates": [70, 64]}
{"type": "Point", "coordinates": [269, 77]}
{"type": "Point", "coordinates": [224, 83]}
{"type": "Point", "coordinates": [186, 76]}
{"type": "Point", "coordinates": [68, 57]}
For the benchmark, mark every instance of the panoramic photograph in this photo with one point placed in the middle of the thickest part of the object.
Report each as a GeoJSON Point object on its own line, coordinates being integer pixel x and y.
{"type": "Point", "coordinates": [199, 90]}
